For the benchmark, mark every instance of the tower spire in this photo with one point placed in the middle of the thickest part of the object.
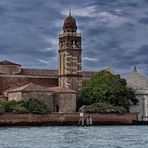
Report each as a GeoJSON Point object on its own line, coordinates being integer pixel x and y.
{"type": "Point", "coordinates": [69, 12]}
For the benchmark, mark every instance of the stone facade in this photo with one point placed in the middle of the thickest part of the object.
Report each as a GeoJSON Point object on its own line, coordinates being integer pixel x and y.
{"type": "Point", "coordinates": [64, 99]}
{"type": "Point", "coordinates": [140, 85]}
{"type": "Point", "coordinates": [64, 102]}
{"type": "Point", "coordinates": [17, 96]}
{"type": "Point", "coordinates": [31, 90]}
{"type": "Point", "coordinates": [71, 82]}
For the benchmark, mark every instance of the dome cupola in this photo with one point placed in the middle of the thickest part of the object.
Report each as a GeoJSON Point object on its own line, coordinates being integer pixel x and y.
{"type": "Point", "coordinates": [136, 81]}
{"type": "Point", "coordinates": [70, 24]}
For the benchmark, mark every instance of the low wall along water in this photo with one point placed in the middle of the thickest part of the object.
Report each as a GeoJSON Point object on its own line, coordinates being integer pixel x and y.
{"type": "Point", "coordinates": [65, 119]}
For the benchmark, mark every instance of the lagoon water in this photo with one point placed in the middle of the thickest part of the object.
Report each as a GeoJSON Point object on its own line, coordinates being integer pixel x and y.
{"type": "Point", "coordinates": [74, 137]}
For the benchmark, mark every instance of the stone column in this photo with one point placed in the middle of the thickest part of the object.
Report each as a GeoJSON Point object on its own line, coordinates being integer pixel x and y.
{"type": "Point", "coordinates": [145, 114]}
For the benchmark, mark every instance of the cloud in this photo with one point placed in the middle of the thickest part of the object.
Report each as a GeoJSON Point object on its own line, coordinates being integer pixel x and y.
{"type": "Point", "coordinates": [143, 20]}
{"type": "Point", "coordinates": [113, 32]}
{"type": "Point", "coordinates": [90, 59]}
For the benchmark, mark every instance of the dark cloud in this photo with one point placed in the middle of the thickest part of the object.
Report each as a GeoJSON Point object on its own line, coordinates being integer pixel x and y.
{"type": "Point", "coordinates": [143, 20]}
{"type": "Point", "coordinates": [113, 32]}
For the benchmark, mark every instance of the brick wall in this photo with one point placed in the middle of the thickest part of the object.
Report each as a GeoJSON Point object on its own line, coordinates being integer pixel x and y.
{"type": "Point", "coordinates": [65, 119]}
{"type": "Point", "coordinates": [17, 96]}
{"type": "Point", "coordinates": [97, 118]}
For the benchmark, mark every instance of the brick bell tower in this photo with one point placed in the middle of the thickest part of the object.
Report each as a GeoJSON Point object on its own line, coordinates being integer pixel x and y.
{"type": "Point", "coordinates": [70, 75]}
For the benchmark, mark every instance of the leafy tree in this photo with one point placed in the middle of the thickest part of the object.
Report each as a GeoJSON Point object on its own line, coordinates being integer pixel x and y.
{"type": "Point", "coordinates": [107, 87]}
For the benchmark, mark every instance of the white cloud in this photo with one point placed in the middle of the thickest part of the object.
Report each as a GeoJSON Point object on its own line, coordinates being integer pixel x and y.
{"type": "Point", "coordinates": [111, 20]}
{"type": "Point", "coordinates": [48, 62]}
{"type": "Point", "coordinates": [91, 59]}
{"type": "Point", "coordinates": [43, 61]}
{"type": "Point", "coordinates": [84, 12]}
{"type": "Point", "coordinates": [48, 49]}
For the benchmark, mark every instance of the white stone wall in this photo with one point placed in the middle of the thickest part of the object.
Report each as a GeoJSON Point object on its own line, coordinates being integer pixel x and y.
{"type": "Point", "coordinates": [10, 69]}
{"type": "Point", "coordinates": [17, 96]}
{"type": "Point", "coordinates": [141, 108]}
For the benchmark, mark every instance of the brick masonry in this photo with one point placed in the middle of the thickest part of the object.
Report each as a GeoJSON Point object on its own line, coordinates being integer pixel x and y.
{"type": "Point", "coordinates": [65, 119]}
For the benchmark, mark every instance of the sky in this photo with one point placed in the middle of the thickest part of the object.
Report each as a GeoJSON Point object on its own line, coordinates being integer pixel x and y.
{"type": "Point", "coordinates": [114, 32]}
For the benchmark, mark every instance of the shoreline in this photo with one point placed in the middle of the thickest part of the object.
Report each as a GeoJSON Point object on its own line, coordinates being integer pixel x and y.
{"type": "Point", "coordinates": [66, 119]}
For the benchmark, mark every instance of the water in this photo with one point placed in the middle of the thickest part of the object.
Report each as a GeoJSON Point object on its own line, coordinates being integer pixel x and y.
{"type": "Point", "coordinates": [75, 137]}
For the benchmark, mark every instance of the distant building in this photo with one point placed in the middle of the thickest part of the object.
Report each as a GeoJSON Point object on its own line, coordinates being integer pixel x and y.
{"type": "Point", "coordinates": [140, 85]}
{"type": "Point", "coordinates": [57, 98]}
{"type": "Point", "coordinates": [59, 88]}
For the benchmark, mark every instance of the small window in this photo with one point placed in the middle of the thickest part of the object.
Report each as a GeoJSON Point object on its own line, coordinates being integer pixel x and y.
{"type": "Point", "coordinates": [57, 108]}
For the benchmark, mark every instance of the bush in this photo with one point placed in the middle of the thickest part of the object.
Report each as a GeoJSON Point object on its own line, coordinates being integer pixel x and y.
{"type": "Point", "coordinates": [2, 106]}
{"type": "Point", "coordinates": [33, 106]}
{"type": "Point", "coordinates": [20, 110]}
{"type": "Point", "coordinates": [10, 105]}
{"type": "Point", "coordinates": [103, 107]}
{"type": "Point", "coordinates": [36, 106]}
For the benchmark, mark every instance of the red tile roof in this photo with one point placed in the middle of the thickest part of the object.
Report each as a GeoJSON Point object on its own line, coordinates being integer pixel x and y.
{"type": "Point", "coordinates": [30, 87]}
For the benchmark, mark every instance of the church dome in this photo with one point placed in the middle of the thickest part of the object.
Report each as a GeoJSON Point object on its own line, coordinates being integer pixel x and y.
{"type": "Point", "coordinates": [136, 81]}
{"type": "Point", "coordinates": [70, 24]}
{"type": "Point", "coordinates": [70, 21]}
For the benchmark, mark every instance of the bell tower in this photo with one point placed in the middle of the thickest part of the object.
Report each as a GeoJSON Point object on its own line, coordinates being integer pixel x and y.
{"type": "Point", "coordinates": [70, 75]}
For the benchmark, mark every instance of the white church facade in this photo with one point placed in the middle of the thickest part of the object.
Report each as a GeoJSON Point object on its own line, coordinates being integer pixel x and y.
{"type": "Point", "coordinates": [140, 85]}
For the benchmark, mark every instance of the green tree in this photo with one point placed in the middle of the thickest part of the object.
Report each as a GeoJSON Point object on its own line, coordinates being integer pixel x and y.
{"type": "Point", "coordinates": [107, 87]}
